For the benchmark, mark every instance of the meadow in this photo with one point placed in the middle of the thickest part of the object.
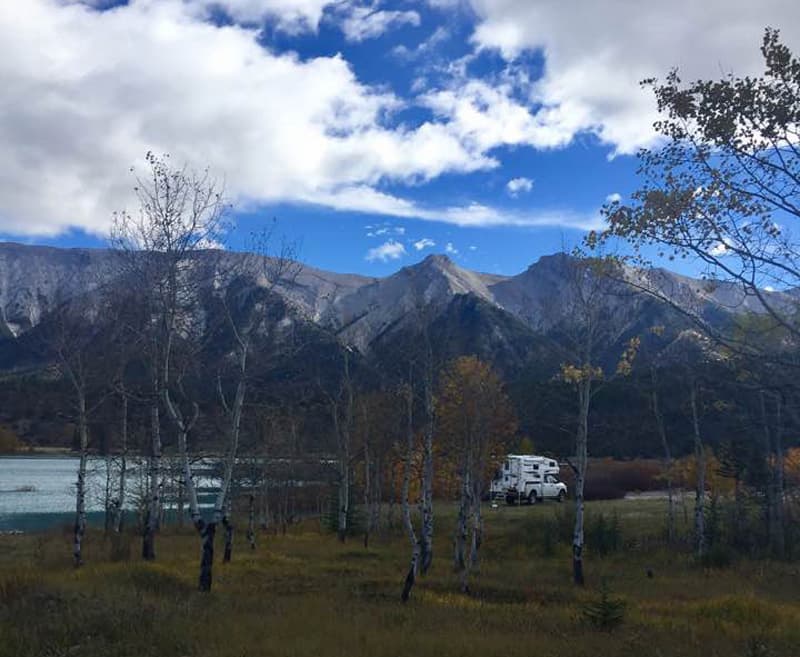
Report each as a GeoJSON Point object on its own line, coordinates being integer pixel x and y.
{"type": "Point", "coordinates": [306, 594]}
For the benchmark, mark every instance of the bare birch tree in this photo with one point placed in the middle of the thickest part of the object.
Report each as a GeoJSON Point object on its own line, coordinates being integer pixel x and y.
{"type": "Point", "coordinates": [250, 306]}
{"type": "Point", "coordinates": [70, 334]}
{"type": "Point", "coordinates": [407, 394]}
{"type": "Point", "coordinates": [342, 410]}
{"type": "Point", "coordinates": [590, 327]}
{"type": "Point", "coordinates": [180, 212]}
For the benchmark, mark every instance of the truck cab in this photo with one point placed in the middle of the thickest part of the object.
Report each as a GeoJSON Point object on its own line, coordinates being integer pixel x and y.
{"type": "Point", "coordinates": [528, 478]}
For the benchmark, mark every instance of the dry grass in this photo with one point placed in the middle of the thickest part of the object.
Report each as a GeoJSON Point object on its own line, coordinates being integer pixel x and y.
{"type": "Point", "coordinates": [304, 594]}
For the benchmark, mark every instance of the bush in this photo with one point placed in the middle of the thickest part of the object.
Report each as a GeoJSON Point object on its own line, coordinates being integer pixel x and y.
{"type": "Point", "coordinates": [330, 519]}
{"type": "Point", "coordinates": [9, 443]}
{"type": "Point", "coordinates": [120, 547]}
{"type": "Point", "coordinates": [607, 613]}
{"type": "Point", "coordinates": [603, 535]}
{"type": "Point", "coordinates": [717, 556]}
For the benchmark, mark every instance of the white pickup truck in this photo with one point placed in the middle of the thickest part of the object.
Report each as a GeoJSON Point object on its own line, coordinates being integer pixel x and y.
{"type": "Point", "coordinates": [527, 478]}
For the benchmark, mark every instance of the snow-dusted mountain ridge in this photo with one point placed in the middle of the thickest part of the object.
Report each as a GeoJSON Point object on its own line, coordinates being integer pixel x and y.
{"type": "Point", "coordinates": [358, 309]}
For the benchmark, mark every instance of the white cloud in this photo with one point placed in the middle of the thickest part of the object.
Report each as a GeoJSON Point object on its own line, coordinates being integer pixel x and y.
{"type": "Point", "coordinates": [718, 250]}
{"type": "Point", "coordinates": [449, 248]}
{"type": "Point", "coordinates": [517, 185]}
{"type": "Point", "coordinates": [597, 52]}
{"type": "Point", "coordinates": [86, 93]}
{"type": "Point", "coordinates": [362, 23]}
{"type": "Point", "coordinates": [385, 229]}
{"type": "Point", "coordinates": [293, 16]}
{"type": "Point", "coordinates": [424, 243]}
{"type": "Point", "coordinates": [473, 248]}
{"type": "Point", "coordinates": [425, 49]}
{"type": "Point", "coordinates": [613, 198]}
{"type": "Point", "coordinates": [390, 250]}
{"type": "Point", "coordinates": [485, 115]}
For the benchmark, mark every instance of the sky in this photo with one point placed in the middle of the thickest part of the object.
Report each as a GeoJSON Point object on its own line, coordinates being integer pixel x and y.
{"type": "Point", "coordinates": [374, 132]}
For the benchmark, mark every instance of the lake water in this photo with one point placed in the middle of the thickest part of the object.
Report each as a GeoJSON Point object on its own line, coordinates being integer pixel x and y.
{"type": "Point", "coordinates": [39, 492]}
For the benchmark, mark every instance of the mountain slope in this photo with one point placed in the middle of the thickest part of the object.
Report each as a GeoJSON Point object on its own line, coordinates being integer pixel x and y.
{"type": "Point", "coordinates": [367, 312]}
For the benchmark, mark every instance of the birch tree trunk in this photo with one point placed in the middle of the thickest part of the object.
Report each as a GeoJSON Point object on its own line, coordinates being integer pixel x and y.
{"type": "Point", "coordinates": [581, 457]}
{"type": "Point", "coordinates": [229, 529]}
{"type": "Point", "coordinates": [426, 537]}
{"type": "Point", "coordinates": [119, 520]}
{"type": "Point", "coordinates": [662, 433]}
{"type": "Point", "coordinates": [154, 485]}
{"type": "Point", "coordinates": [377, 494]}
{"type": "Point", "coordinates": [80, 494]}
{"type": "Point", "coordinates": [207, 531]}
{"type": "Point", "coordinates": [344, 497]}
{"type": "Point", "coordinates": [780, 511]}
{"type": "Point", "coordinates": [460, 562]}
{"type": "Point", "coordinates": [408, 521]}
{"type": "Point", "coordinates": [108, 505]}
{"type": "Point", "coordinates": [700, 487]}
{"type": "Point", "coordinates": [774, 490]}
{"type": "Point", "coordinates": [367, 489]}
{"type": "Point", "coordinates": [477, 525]}
{"type": "Point", "coordinates": [223, 504]}
{"type": "Point", "coordinates": [251, 521]}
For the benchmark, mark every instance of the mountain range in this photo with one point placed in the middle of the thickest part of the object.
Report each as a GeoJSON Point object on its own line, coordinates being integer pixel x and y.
{"type": "Point", "coordinates": [521, 324]}
{"type": "Point", "coordinates": [499, 317]}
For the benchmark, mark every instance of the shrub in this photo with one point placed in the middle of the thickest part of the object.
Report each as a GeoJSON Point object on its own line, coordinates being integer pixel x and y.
{"type": "Point", "coordinates": [717, 556]}
{"type": "Point", "coordinates": [9, 443]}
{"type": "Point", "coordinates": [330, 519]}
{"type": "Point", "coordinates": [603, 535]}
{"type": "Point", "coordinates": [606, 613]}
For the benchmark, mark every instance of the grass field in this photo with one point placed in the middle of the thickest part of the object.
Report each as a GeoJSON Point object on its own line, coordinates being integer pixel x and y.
{"type": "Point", "coordinates": [304, 594]}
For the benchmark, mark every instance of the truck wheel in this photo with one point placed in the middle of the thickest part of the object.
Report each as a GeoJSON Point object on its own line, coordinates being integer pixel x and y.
{"type": "Point", "coordinates": [532, 497]}
{"type": "Point", "coordinates": [561, 496]}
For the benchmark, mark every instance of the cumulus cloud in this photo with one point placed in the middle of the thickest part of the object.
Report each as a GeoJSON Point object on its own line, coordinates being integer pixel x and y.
{"type": "Point", "coordinates": [361, 23]}
{"type": "Point", "coordinates": [486, 115]}
{"type": "Point", "coordinates": [595, 53]}
{"type": "Point", "coordinates": [449, 248]}
{"type": "Point", "coordinates": [424, 243]}
{"type": "Point", "coordinates": [390, 250]}
{"type": "Point", "coordinates": [613, 198]}
{"type": "Point", "coordinates": [515, 186]}
{"type": "Point", "coordinates": [86, 93]}
{"type": "Point", "coordinates": [293, 16]}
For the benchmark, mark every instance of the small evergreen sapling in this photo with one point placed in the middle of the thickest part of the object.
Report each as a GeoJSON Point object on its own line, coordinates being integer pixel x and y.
{"type": "Point", "coordinates": [607, 613]}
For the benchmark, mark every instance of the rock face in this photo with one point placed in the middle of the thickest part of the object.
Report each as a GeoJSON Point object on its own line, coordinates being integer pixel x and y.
{"type": "Point", "coordinates": [34, 278]}
{"type": "Point", "coordinates": [482, 312]}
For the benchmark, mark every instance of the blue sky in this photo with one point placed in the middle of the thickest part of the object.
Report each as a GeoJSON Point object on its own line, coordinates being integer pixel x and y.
{"type": "Point", "coordinates": [376, 132]}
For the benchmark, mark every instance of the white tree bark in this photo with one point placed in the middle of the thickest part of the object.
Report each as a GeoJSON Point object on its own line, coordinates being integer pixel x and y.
{"type": "Point", "coordinates": [662, 433]}
{"type": "Point", "coordinates": [408, 521]}
{"type": "Point", "coordinates": [700, 487]}
{"type": "Point", "coordinates": [119, 518]}
{"type": "Point", "coordinates": [581, 462]}
{"type": "Point", "coordinates": [426, 537]}
{"type": "Point", "coordinates": [80, 495]}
